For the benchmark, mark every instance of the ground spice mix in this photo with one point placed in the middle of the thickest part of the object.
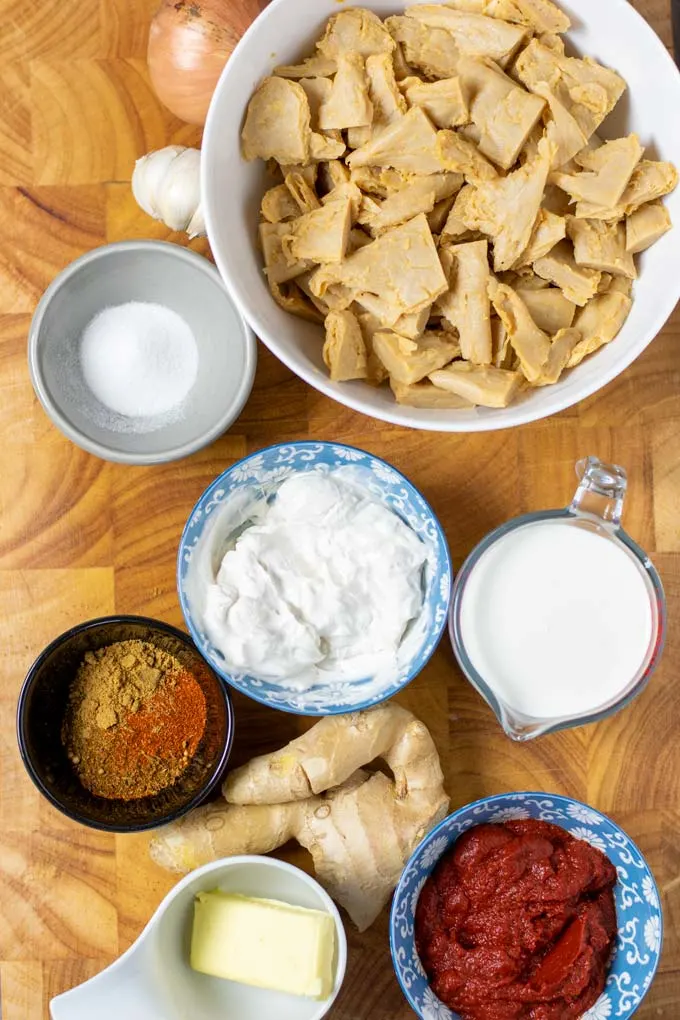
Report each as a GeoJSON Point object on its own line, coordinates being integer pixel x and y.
{"type": "Point", "coordinates": [134, 720]}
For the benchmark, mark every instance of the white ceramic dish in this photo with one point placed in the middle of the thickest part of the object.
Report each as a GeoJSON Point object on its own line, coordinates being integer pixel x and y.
{"type": "Point", "coordinates": [610, 30]}
{"type": "Point", "coordinates": [153, 979]}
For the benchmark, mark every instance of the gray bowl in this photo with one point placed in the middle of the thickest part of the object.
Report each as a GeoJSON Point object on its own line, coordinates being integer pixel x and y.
{"type": "Point", "coordinates": [152, 271]}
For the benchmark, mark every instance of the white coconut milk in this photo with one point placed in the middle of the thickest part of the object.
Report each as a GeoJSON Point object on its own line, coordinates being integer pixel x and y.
{"type": "Point", "coordinates": [556, 619]}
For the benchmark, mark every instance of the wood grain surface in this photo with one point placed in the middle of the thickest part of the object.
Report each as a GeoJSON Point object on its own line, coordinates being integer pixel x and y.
{"type": "Point", "coordinates": [80, 537]}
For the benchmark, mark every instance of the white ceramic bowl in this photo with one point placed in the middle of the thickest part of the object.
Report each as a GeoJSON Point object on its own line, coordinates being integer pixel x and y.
{"type": "Point", "coordinates": [153, 979]}
{"type": "Point", "coordinates": [609, 30]}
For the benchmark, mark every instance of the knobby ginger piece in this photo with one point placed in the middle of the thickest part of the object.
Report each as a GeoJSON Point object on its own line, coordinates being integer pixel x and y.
{"type": "Point", "coordinates": [588, 90]}
{"type": "Point", "coordinates": [401, 267]}
{"type": "Point", "coordinates": [475, 35]}
{"type": "Point", "coordinates": [278, 123]}
{"type": "Point", "coordinates": [645, 226]}
{"type": "Point", "coordinates": [319, 236]}
{"type": "Point", "coordinates": [344, 351]}
{"type": "Point", "coordinates": [443, 101]}
{"type": "Point", "coordinates": [347, 104]}
{"type": "Point", "coordinates": [601, 245]}
{"type": "Point", "coordinates": [539, 15]}
{"type": "Point", "coordinates": [599, 322]}
{"type": "Point", "coordinates": [278, 268]}
{"type": "Point", "coordinates": [506, 208]}
{"type": "Point", "coordinates": [356, 31]}
{"type": "Point", "coordinates": [313, 67]}
{"type": "Point", "coordinates": [548, 230]}
{"type": "Point", "coordinates": [409, 361]}
{"type": "Point", "coordinates": [302, 192]}
{"type": "Point", "coordinates": [278, 205]}
{"type": "Point", "coordinates": [606, 172]}
{"type": "Point", "coordinates": [549, 308]}
{"type": "Point", "coordinates": [559, 267]}
{"type": "Point", "coordinates": [426, 394]}
{"type": "Point", "coordinates": [409, 144]}
{"type": "Point", "coordinates": [466, 304]}
{"type": "Point", "coordinates": [650, 180]}
{"type": "Point", "coordinates": [530, 343]}
{"type": "Point", "coordinates": [458, 154]}
{"type": "Point", "coordinates": [431, 50]}
{"type": "Point", "coordinates": [488, 387]}
{"type": "Point", "coordinates": [562, 349]}
{"type": "Point", "coordinates": [504, 113]}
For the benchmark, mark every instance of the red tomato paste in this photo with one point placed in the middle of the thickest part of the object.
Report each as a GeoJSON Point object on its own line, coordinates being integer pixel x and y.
{"type": "Point", "coordinates": [518, 923]}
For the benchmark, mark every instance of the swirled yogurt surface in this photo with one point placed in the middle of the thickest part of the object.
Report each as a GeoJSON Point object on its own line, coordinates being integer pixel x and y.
{"type": "Point", "coordinates": [322, 586]}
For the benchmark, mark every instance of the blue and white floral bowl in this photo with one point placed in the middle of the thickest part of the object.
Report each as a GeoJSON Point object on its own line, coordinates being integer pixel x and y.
{"type": "Point", "coordinates": [640, 924]}
{"type": "Point", "coordinates": [259, 475]}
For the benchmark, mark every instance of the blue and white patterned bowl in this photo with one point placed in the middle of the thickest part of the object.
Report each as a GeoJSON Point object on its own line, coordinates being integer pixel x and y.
{"type": "Point", "coordinates": [638, 910]}
{"type": "Point", "coordinates": [262, 473]}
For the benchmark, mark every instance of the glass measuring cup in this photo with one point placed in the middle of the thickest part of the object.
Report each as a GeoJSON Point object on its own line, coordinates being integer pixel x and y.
{"type": "Point", "coordinates": [597, 507]}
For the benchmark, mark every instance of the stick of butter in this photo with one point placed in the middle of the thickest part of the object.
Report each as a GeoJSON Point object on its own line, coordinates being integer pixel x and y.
{"type": "Point", "coordinates": [263, 942]}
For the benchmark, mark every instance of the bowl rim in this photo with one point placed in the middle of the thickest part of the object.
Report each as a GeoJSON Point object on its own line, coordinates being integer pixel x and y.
{"type": "Point", "coordinates": [520, 414]}
{"type": "Point", "coordinates": [21, 723]}
{"type": "Point", "coordinates": [510, 795]}
{"type": "Point", "coordinates": [54, 412]}
{"type": "Point", "coordinates": [438, 631]}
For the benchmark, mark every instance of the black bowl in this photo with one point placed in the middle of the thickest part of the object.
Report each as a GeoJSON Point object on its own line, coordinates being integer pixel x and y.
{"type": "Point", "coordinates": [40, 713]}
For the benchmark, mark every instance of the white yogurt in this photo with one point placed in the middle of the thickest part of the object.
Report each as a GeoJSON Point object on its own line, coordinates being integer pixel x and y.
{"type": "Point", "coordinates": [322, 587]}
{"type": "Point", "coordinates": [556, 619]}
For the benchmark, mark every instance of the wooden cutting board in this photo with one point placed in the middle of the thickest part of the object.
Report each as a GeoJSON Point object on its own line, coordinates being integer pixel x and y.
{"type": "Point", "coordinates": [80, 538]}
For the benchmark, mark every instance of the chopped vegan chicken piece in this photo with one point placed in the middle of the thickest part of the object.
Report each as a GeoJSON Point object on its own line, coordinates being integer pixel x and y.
{"type": "Point", "coordinates": [303, 283]}
{"type": "Point", "coordinates": [645, 226]}
{"type": "Point", "coordinates": [381, 181]}
{"type": "Point", "coordinates": [376, 373]}
{"type": "Point", "coordinates": [409, 361]}
{"type": "Point", "coordinates": [547, 231]}
{"type": "Point", "coordinates": [588, 90]}
{"type": "Point", "coordinates": [502, 351]}
{"type": "Point", "coordinates": [292, 299]}
{"type": "Point", "coordinates": [600, 245]}
{"type": "Point", "coordinates": [559, 267]}
{"type": "Point", "coordinates": [411, 326]}
{"type": "Point", "coordinates": [563, 130]}
{"type": "Point", "coordinates": [355, 31]}
{"type": "Point", "coordinates": [466, 304]}
{"type": "Point", "coordinates": [650, 180]}
{"type": "Point", "coordinates": [318, 92]}
{"type": "Point", "coordinates": [344, 351]}
{"type": "Point", "coordinates": [313, 67]}
{"type": "Point", "coordinates": [458, 154]}
{"type": "Point", "coordinates": [425, 394]}
{"type": "Point", "coordinates": [503, 111]}
{"type": "Point", "coordinates": [278, 123]}
{"type": "Point", "coordinates": [277, 267]}
{"type": "Point", "coordinates": [454, 229]}
{"type": "Point", "coordinates": [326, 146]}
{"type": "Point", "coordinates": [443, 101]}
{"type": "Point", "coordinates": [531, 345]}
{"type": "Point", "coordinates": [506, 208]}
{"type": "Point", "coordinates": [606, 172]}
{"type": "Point", "coordinates": [344, 192]}
{"type": "Point", "coordinates": [347, 105]}
{"type": "Point", "coordinates": [549, 308]}
{"type": "Point", "coordinates": [488, 387]}
{"type": "Point", "coordinates": [599, 322]}
{"type": "Point", "coordinates": [388, 102]}
{"type": "Point", "coordinates": [332, 174]}
{"type": "Point", "coordinates": [419, 197]}
{"type": "Point", "coordinates": [319, 236]}
{"type": "Point", "coordinates": [410, 144]}
{"type": "Point", "coordinates": [539, 15]}
{"type": "Point", "coordinates": [278, 205]}
{"type": "Point", "coordinates": [357, 239]}
{"type": "Point", "coordinates": [622, 285]}
{"type": "Point", "coordinates": [562, 348]}
{"type": "Point", "coordinates": [440, 214]}
{"type": "Point", "coordinates": [401, 68]}
{"type": "Point", "coordinates": [432, 51]}
{"type": "Point", "coordinates": [475, 35]}
{"type": "Point", "coordinates": [301, 192]}
{"type": "Point", "coordinates": [401, 266]}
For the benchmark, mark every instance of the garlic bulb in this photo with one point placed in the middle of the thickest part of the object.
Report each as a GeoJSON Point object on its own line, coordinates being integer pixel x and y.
{"type": "Point", "coordinates": [167, 185]}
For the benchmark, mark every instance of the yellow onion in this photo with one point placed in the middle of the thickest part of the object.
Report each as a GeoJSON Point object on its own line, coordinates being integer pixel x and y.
{"type": "Point", "coordinates": [189, 44]}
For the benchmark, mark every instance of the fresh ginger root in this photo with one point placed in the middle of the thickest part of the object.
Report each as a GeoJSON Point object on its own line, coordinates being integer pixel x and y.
{"type": "Point", "coordinates": [360, 828]}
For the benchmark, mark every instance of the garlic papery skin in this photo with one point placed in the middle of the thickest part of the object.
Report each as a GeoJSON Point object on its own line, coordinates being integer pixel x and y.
{"type": "Point", "coordinates": [166, 184]}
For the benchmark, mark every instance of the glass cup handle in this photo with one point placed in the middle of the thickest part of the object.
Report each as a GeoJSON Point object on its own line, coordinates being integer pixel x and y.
{"type": "Point", "coordinates": [601, 492]}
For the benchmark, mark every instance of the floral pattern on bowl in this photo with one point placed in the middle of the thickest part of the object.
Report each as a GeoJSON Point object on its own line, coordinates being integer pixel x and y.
{"type": "Point", "coordinates": [640, 924]}
{"type": "Point", "coordinates": [264, 472]}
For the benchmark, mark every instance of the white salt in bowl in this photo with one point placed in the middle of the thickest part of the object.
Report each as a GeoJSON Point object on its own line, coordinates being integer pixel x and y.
{"type": "Point", "coordinates": [146, 271]}
{"type": "Point", "coordinates": [610, 30]}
